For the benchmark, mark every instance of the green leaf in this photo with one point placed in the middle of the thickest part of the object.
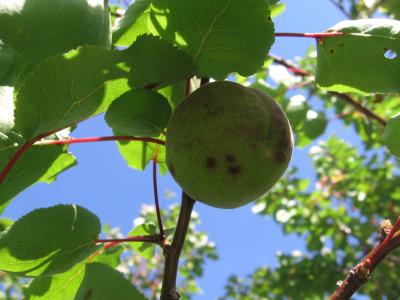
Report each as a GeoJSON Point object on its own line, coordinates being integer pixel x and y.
{"type": "Point", "coordinates": [42, 28]}
{"type": "Point", "coordinates": [315, 124]}
{"type": "Point", "coordinates": [63, 162]}
{"type": "Point", "coordinates": [38, 164]}
{"type": "Point", "coordinates": [111, 256]}
{"type": "Point", "coordinates": [138, 154]}
{"type": "Point", "coordinates": [133, 24]}
{"type": "Point", "coordinates": [222, 36]}
{"type": "Point", "coordinates": [143, 249]}
{"type": "Point", "coordinates": [366, 58]}
{"type": "Point", "coordinates": [4, 223]}
{"type": "Point", "coordinates": [277, 9]}
{"type": "Point", "coordinates": [48, 241]}
{"type": "Point", "coordinates": [95, 279]}
{"type": "Point", "coordinates": [139, 112]}
{"type": "Point", "coordinates": [391, 135]}
{"type": "Point", "coordinates": [70, 88]}
{"type": "Point", "coordinates": [102, 282]}
{"type": "Point", "coordinates": [157, 63]}
{"type": "Point", "coordinates": [66, 89]}
{"type": "Point", "coordinates": [175, 93]}
{"type": "Point", "coordinates": [57, 287]}
{"type": "Point", "coordinates": [11, 65]}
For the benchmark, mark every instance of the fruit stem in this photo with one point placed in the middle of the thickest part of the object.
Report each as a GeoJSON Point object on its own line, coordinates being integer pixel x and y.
{"type": "Point", "coordinates": [173, 252]}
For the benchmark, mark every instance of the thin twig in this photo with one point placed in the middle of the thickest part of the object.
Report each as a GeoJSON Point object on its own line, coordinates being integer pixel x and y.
{"type": "Point", "coordinates": [157, 203]}
{"type": "Point", "coordinates": [290, 66]}
{"type": "Point", "coordinates": [39, 142]}
{"type": "Point", "coordinates": [360, 274]}
{"type": "Point", "coordinates": [315, 35]}
{"type": "Point", "coordinates": [172, 253]}
{"type": "Point", "coordinates": [362, 109]}
{"type": "Point", "coordinates": [98, 139]}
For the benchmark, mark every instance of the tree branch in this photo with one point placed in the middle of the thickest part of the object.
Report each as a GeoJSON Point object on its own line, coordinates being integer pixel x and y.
{"type": "Point", "coordinates": [362, 272]}
{"type": "Point", "coordinates": [172, 253]}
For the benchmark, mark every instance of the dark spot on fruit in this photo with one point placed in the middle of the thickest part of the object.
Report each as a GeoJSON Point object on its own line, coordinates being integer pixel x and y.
{"type": "Point", "coordinates": [235, 170]}
{"type": "Point", "coordinates": [331, 51]}
{"type": "Point", "coordinates": [230, 158]}
{"type": "Point", "coordinates": [171, 169]}
{"type": "Point", "coordinates": [279, 156]}
{"type": "Point", "coordinates": [282, 148]}
{"type": "Point", "coordinates": [211, 163]}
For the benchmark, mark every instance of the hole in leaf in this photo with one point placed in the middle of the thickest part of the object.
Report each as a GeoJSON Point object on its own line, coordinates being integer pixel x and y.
{"type": "Point", "coordinates": [390, 54]}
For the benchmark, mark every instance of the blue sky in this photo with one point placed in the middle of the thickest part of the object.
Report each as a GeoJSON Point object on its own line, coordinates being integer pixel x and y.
{"type": "Point", "coordinates": [105, 185]}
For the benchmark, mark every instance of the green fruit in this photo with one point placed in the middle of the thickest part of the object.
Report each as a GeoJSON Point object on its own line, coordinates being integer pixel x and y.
{"type": "Point", "coordinates": [228, 144]}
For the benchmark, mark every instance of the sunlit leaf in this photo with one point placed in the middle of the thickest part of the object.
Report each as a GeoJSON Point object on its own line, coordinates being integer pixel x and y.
{"type": "Point", "coordinates": [30, 247]}
{"type": "Point", "coordinates": [138, 154]}
{"type": "Point", "coordinates": [222, 36]}
{"type": "Point", "coordinates": [133, 24]}
{"type": "Point", "coordinates": [366, 58]}
{"type": "Point", "coordinates": [41, 28]}
{"type": "Point", "coordinates": [57, 287]}
{"type": "Point", "coordinates": [102, 282]}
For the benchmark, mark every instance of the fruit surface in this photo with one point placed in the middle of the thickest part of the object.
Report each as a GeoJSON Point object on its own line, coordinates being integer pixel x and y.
{"type": "Point", "coordinates": [228, 144]}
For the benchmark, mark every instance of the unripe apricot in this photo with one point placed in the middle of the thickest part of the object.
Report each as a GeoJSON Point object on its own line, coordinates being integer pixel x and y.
{"type": "Point", "coordinates": [228, 144]}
